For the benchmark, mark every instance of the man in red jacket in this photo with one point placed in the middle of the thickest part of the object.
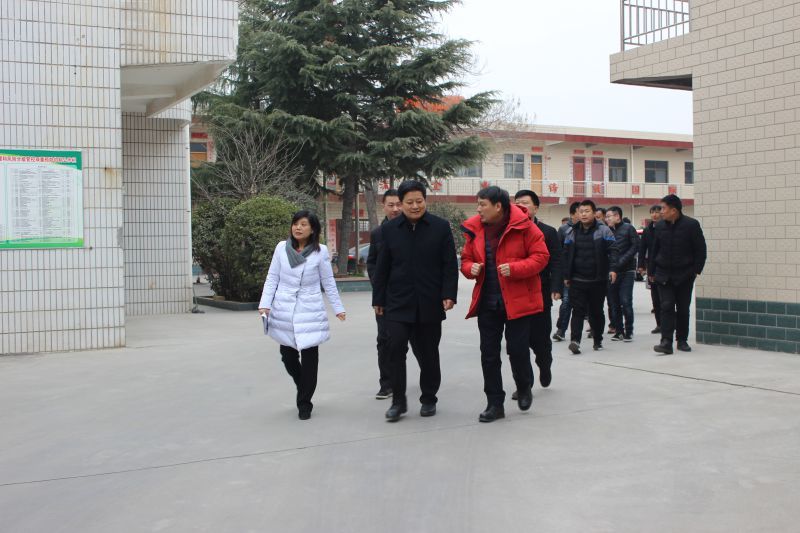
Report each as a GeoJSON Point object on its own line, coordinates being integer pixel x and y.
{"type": "Point", "coordinates": [504, 253]}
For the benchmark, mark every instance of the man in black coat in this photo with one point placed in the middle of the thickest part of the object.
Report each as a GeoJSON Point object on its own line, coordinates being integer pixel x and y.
{"type": "Point", "coordinates": [645, 251]}
{"type": "Point", "coordinates": [565, 309]}
{"type": "Point", "coordinates": [542, 323]}
{"type": "Point", "coordinates": [620, 293]}
{"type": "Point", "coordinates": [391, 208]}
{"type": "Point", "coordinates": [679, 255]}
{"type": "Point", "coordinates": [415, 283]}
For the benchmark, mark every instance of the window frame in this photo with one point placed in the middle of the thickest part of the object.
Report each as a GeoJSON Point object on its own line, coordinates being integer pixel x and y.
{"type": "Point", "coordinates": [650, 171]}
{"type": "Point", "coordinates": [517, 163]}
{"type": "Point", "coordinates": [688, 172]}
{"type": "Point", "coordinates": [612, 168]}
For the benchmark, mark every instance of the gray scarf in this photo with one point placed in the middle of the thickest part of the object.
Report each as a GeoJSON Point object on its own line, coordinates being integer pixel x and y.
{"type": "Point", "coordinates": [296, 258]}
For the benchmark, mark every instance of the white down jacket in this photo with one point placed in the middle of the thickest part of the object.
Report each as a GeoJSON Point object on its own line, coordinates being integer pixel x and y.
{"type": "Point", "coordinates": [297, 316]}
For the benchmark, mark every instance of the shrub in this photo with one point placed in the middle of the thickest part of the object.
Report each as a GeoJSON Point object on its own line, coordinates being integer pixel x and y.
{"type": "Point", "coordinates": [208, 221]}
{"type": "Point", "coordinates": [252, 229]}
{"type": "Point", "coordinates": [455, 216]}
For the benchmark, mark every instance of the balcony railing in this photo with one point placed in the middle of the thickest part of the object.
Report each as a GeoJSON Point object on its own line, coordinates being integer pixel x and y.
{"type": "Point", "coordinates": [650, 21]}
{"type": "Point", "coordinates": [560, 188]}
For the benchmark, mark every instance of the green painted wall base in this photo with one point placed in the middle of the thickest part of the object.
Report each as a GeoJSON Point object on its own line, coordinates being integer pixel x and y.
{"type": "Point", "coordinates": [772, 326]}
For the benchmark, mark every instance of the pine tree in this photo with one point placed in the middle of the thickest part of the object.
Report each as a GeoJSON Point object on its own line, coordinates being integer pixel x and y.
{"type": "Point", "coordinates": [356, 83]}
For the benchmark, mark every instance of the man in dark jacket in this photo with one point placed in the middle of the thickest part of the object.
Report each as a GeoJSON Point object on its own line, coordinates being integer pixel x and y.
{"type": "Point", "coordinates": [565, 309]}
{"type": "Point", "coordinates": [415, 283]}
{"type": "Point", "coordinates": [679, 255]}
{"type": "Point", "coordinates": [542, 323]}
{"type": "Point", "coordinates": [645, 251]}
{"type": "Point", "coordinates": [620, 293]}
{"type": "Point", "coordinates": [391, 208]}
{"type": "Point", "coordinates": [589, 252]}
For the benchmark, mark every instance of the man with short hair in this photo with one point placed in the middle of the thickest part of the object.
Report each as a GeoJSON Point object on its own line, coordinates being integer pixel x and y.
{"type": "Point", "coordinates": [645, 251]}
{"type": "Point", "coordinates": [391, 210]}
{"type": "Point", "coordinates": [600, 215]}
{"type": "Point", "coordinates": [504, 252]}
{"type": "Point", "coordinates": [415, 283]}
{"type": "Point", "coordinates": [565, 309]}
{"type": "Point", "coordinates": [589, 252]}
{"type": "Point", "coordinates": [542, 323]}
{"type": "Point", "coordinates": [620, 293]}
{"type": "Point", "coordinates": [679, 255]}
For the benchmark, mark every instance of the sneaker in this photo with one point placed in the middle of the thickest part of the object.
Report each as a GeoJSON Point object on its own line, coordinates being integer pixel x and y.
{"type": "Point", "coordinates": [598, 347]}
{"type": "Point", "coordinates": [627, 338]}
{"type": "Point", "coordinates": [558, 336]}
{"type": "Point", "coordinates": [383, 394]}
{"type": "Point", "coordinates": [656, 330]}
{"type": "Point", "coordinates": [575, 347]}
{"type": "Point", "coordinates": [617, 337]}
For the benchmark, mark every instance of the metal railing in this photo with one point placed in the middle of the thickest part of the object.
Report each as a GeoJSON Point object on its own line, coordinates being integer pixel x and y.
{"type": "Point", "coordinates": [650, 21]}
{"type": "Point", "coordinates": [559, 188]}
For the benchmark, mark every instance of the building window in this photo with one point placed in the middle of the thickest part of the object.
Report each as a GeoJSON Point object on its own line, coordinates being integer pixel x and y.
{"type": "Point", "coordinates": [472, 171]}
{"type": "Point", "coordinates": [656, 172]}
{"type": "Point", "coordinates": [688, 172]}
{"type": "Point", "coordinates": [198, 148]}
{"type": "Point", "coordinates": [618, 170]}
{"type": "Point", "coordinates": [514, 166]}
{"type": "Point", "coordinates": [536, 160]}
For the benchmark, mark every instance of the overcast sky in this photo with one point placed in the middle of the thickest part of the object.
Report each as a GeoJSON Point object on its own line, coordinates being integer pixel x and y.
{"type": "Point", "coordinates": [553, 55]}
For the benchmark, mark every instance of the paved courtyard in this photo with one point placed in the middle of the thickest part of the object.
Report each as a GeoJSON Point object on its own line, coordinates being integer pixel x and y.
{"type": "Point", "coordinates": [192, 427]}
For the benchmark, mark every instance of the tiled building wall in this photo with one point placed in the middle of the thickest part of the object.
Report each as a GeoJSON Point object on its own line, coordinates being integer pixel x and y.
{"type": "Point", "coordinates": [59, 89]}
{"type": "Point", "coordinates": [744, 59]}
{"type": "Point", "coordinates": [157, 235]}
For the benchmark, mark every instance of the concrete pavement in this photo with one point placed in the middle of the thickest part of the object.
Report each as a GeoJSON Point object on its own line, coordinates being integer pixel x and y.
{"type": "Point", "coordinates": [192, 427]}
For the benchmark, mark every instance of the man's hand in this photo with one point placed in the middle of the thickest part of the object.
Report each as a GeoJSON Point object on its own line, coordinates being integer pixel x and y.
{"type": "Point", "coordinates": [476, 268]}
{"type": "Point", "coordinates": [613, 277]}
{"type": "Point", "coordinates": [263, 311]}
{"type": "Point", "coordinates": [341, 316]}
{"type": "Point", "coordinates": [651, 279]}
{"type": "Point", "coordinates": [641, 271]}
{"type": "Point", "coordinates": [448, 304]}
{"type": "Point", "coordinates": [378, 309]}
{"type": "Point", "coordinates": [555, 296]}
{"type": "Point", "coordinates": [504, 270]}
{"type": "Point", "coordinates": [566, 283]}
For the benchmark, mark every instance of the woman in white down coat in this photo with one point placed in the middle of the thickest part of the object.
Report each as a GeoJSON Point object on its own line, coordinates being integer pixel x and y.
{"type": "Point", "coordinates": [293, 302]}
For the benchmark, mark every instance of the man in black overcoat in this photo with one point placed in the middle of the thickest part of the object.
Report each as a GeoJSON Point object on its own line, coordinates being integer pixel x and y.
{"type": "Point", "coordinates": [415, 283]}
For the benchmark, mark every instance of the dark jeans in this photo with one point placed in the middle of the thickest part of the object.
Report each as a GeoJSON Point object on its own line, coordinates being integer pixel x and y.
{"type": "Point", "coordinates": [564, 311]}
{"type": "Point", "coordinates": [384, 363]}
{"type": "Point", "coordinates": [425, 337]}
{"type": "Point", "coordinates": [656, 299]}
{"type": "Point", "coordinates": [491, 324]}
{"type": "Point", "coordinates": [303, 369]}
{"type": "Point", "coordinates": [587, 302]}
{"type": "Point", "coordinates": [620, 301]}
{"type": "Point", "coordinates": [675, 302]}
{"type": "Point", "coordinates": [541, 344]}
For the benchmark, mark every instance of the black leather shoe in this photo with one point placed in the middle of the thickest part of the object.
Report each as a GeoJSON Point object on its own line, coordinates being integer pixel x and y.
{"type": "Point", "coordinates": [545, 377]}
{"type": "Point", "coordinates": [684, 346]}
{"type": "Point", "coordinates": [394, 412]}
{"type": "Point", "coordinates": [304, 413]}
{"type": "Point", "coordinates": [492, 413]}
{"type": "Point", "coordinates": [665, 348]}
{"type": "Point", "coordinates": [427, 409]}
{"type": "Point", "coordinates": [656, 330]}
{"type": "Point", "coordinates": [514, 396]}
{"type": "Point", "coordinates": [525, 399]}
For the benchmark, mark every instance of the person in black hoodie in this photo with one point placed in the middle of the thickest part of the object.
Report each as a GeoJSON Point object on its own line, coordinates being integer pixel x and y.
{"type": "Point", "coordinates": [589, 252]}
{"type": "Point", "coordinates": [645, 251]}
{"type": "Point", "coordinates": [415, 282]}
{"type": "Point", "coordinates": [620, 293]}
{"type": "Point", "coordinates": [679, 255]}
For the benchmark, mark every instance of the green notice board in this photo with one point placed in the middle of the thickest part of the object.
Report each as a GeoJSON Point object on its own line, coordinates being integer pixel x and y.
{"type": "Point", "coordinates": [41, 199]}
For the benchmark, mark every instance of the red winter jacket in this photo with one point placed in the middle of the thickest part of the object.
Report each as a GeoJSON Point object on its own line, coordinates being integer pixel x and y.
{"type": "Point", "coordinates": [522, 246]}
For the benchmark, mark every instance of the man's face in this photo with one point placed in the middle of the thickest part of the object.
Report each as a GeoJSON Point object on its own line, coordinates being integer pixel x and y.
{"type": "Point", "coordinates": [489, 212]}
{"type": "Point", "coordinates": [527, 201]}
{"type": "Point", "coordinates": [586, 214]}
{"type": "Point", "coordinates": [670, 214]}
{"type": "Point", "coordinates": [612, 218]}
{"type": "Point", "coordinates": [655, 216]}
{"type": "Point", "coordinates": [391, 207]}
{"type": "Point", "coordinates": [599, 215]}
{"type": "Point", "coordinates": [574, 217]}
{"type": "Point", "coordinates": [414, 205]}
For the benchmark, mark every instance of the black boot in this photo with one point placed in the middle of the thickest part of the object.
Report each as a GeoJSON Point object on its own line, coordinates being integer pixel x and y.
{"type": "Point", "coordinates": [684, 346]}
{"type": "Point", "coordinates": [525, 399]}
{"type": "Point", "coordinates": [492, 413]}
{"type": "Point", "coordinates": [665, 348]}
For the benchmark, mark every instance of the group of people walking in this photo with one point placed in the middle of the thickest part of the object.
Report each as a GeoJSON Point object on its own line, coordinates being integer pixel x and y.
{"type": "Point", "coordinates": [520, 266]}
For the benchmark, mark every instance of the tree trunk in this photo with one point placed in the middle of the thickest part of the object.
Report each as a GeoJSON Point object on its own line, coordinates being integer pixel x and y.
{"type": "Point", "coordinates": [372, 204]}
{"type": "Point", "coordinates": [348, 200]}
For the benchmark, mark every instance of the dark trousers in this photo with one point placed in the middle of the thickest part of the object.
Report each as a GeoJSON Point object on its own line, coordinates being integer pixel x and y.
{"type": "Point", "coordinates": [425, 337]}
{"type": "Point", "coordinates": [564, 311]}
{"type": "Point", "coordinates": [303, 369]}
{"type": "Point", "coordinates": [620, 303]}
{"type": "Point", "coordinates": [384, 363]}
{"type": "Point", "coordinates": [656, 299]}
{"type": "Point", "coordinates": [675, 302]}
{"type": "Point", "coordinates": [491, 324]}
{"type": "Point", "coordinates": [587, 302]}
{"type": "Point", "coordinates": [541, 325]}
